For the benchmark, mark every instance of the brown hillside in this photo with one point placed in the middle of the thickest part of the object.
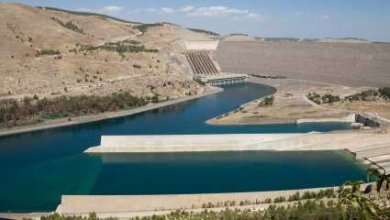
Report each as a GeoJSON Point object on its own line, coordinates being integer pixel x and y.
{"type": "Point", "coordinates": [26, 30]}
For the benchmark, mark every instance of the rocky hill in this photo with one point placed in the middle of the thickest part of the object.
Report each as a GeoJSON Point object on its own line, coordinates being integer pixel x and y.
{"type": "Point", "coordinates": [47, 52]}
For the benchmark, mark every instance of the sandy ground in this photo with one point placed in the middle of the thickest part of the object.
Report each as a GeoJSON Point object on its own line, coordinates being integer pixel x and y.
{"type": "Point", "coordinates": [25, 30]}
{"type": "Point", "coordinates": [291, 105]}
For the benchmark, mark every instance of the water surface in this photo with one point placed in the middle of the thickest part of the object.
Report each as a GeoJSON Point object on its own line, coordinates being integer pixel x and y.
{"type": "Point", "coordinates": [38, 167]}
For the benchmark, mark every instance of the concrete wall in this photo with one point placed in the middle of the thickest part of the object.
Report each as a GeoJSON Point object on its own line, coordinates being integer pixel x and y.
{"type": "Point", "coordinates": [201, 45]}
{"type": "Point", "coordinates": [184, 143]}
{"type": "Point", "coordinates": [340, 63]}
{"type": "Point", "coordinates": [136, 204]}
{"type": "Point", "coordinates": [352, 140]}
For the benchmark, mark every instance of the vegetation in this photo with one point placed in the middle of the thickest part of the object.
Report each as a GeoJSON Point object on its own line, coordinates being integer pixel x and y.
{"type": "Point", "coordinates": [268, 76]}
{"type": "Point", "coordinates": [355, 203]}
{"type": "Point", "coordinates": [351, 203]}
{"type": "Point", "coordinates": [329, 98]}
{"type": "Point", "coordinates": [69, 25]}
{"type": "Point", "coordinates": [281, 39]}
{"type": "Point", "coordinates": [48, 52]}
{"type": "Point", "coordinates": [328, 193]}
{"type": "Point", "coordinates": [120, 47]}
{"type": "Point", "coordinates": [385, 92]}
{"type": "Point", "coordinates": [323, 99]}
{"type": "Point", "coordinates": [267, 101]}
{"type": "Point", "coordinates": [203, 31]}
{"type": "Point", "coordinates": [313, 210]}
{"type": "Point", "coordinates": [368, 95]}
{"type": "Point", "coordinates": [30, 110]}
{"type": "Point", "coordinates": [238, 34]}
{"type": "Point", "coordinates": [347, 38]}
{"type": "Point", "coordinates": [102, 16]}
{"type": "Point", "coordinates": [143, 28]}
{"type": "Point", "coordinates": [363, 96]}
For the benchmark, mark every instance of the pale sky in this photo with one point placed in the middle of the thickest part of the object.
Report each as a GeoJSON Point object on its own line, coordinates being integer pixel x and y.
{"type": "Point", "coordinates": [369, 19]}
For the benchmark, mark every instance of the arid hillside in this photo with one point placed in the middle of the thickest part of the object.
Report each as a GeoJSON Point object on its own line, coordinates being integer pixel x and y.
{"type": "Point", "coordinates": [48, 53]}
{"type": "Point", "coordinates": [351, 64]}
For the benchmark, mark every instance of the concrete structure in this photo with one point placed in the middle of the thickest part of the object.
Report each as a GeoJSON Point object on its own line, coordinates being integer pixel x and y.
{"type": "Point", "coordinates": [366, 145]}
{"type": "Point", "coordinates": [222, 79]}
{"type": "Point", "coordinates": [201, 63]}
{"type": "Point", "coordinates": [351, 118]}
{"type": "Point", "coordinates": [367, 120]}
{"type": "Point", "coordinates": [184, 143]}
{"type": "Point", "coordinates": [204, 69]}
{"type": "Point", "coordinates": [208, 45]}
{"type": "Point", "coordinates": [147, 205]}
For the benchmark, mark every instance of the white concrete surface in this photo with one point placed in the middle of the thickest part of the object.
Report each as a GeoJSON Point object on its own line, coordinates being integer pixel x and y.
{"type": "Point", "coordinates": [355, 141]}
{"type": "Point", "coordinates": [115, 205]}
{"type": "Point", "coordinates": [209, 45]}
{"type": "Point", "coordinates": [348, 119]}
{"type": "Point", "coordinates": [184, 143]}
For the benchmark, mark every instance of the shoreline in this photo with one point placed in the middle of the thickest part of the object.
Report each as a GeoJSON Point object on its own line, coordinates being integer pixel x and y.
{"type": "Point", "coordinates": [278, 85]}
{"type": "Point", "coordinates": [63, 122]}
{"type": "Point", "coordinates": [141, 205]}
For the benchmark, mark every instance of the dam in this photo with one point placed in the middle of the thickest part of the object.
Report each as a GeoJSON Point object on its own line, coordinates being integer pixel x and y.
{"type": "Point", "coordinates": [205, 70]}
{"type": "Point", "coordinates": [366, 145]}
{"type": "Point", "coordinates": [53, 159]}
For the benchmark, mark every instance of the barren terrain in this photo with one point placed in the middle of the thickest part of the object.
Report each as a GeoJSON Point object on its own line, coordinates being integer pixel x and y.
{"type": "Point", "coordinates": [26, 30]}
{"type": "Point", "coordinates": [291, 105]}
{"type": "Point", "coordinates": [350, 64]}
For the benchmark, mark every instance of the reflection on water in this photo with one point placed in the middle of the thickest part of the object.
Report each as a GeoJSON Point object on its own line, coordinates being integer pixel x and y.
{"type": "Point", "coordinates": [213, 172]}
{"type": "Point", "coordinates": [38, 167]}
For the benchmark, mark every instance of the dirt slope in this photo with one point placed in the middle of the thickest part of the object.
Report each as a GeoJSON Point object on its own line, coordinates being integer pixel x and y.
{"type": "Point", "coordinates": [25, 30]}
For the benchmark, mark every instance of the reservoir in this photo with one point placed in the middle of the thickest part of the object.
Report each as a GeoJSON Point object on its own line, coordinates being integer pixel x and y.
{"type": "Point", "coordinates": [38, 167]}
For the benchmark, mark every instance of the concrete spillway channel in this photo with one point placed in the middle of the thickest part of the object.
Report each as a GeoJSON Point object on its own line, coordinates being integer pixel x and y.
{"type": "Point", "coordinates": [379, 155]}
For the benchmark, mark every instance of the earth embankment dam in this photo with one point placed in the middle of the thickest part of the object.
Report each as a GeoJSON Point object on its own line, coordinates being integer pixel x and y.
{"type": "Point", "coordinates": [350, 64]}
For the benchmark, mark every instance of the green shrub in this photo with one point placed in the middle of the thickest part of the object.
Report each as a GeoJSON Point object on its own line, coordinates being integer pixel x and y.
{"type": "Point", "coordinates": [31, 110]}
{"type": "Point", "coordinates": [69, 25]}
{"type": "Point", "coordinates": [48, 52]}
{"type": "Point", "coordinates": [143, 28]}
{"type": "Point", "coordinates": [203, 31]}
{"type": "Point", "coordinates": [363, 96]}
{"type": "Point", "coordinates": [385, 92]}
{"type": "Point", "coordinates": [121, 47]}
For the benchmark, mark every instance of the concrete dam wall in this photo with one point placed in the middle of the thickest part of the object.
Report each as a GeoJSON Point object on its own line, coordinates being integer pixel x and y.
{"type": "Point", "coordinates": [352, 140]}
{"type": "Point", "coordinates": [184, 143]}
{"type": "Point", "coordinates": [350, 64]}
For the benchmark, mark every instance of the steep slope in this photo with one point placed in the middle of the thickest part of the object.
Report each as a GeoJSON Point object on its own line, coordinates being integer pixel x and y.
{"type": "Point", "coordinates": [50, 53]}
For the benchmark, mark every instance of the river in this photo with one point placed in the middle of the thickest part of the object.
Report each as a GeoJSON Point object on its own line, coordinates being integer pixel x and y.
{"type": "Point", "coordinates": [38, 167]}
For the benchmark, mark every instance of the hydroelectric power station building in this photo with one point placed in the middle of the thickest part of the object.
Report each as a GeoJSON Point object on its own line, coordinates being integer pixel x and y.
{"type": "Point", "coordinates": [204, 69]}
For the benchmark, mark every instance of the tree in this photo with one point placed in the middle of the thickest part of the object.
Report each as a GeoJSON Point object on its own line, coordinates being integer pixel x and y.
{"type": "Point", "coordinates": [381, 179]}
{"type": "Point", "coordinates": [355, 203]}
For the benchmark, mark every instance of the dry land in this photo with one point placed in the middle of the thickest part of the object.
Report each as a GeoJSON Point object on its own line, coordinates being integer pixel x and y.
{"type": "Point", "coordinates": [291, 105]}
{"type": "Point", "coordinates": [343, 63]}
{"type": "Point", "coordinates": [52, 53]}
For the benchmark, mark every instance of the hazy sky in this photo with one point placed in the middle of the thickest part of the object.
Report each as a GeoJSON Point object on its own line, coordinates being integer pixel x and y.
{"type": "Point", "coordinates": [369, 19]}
